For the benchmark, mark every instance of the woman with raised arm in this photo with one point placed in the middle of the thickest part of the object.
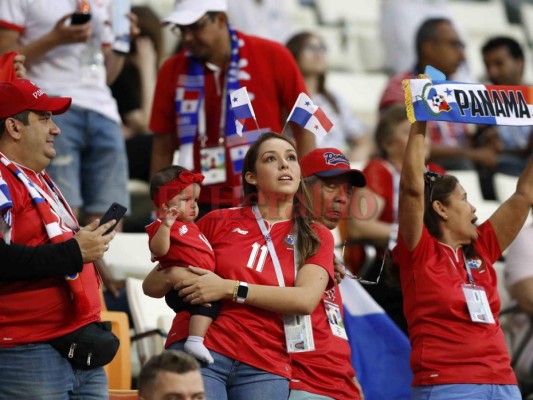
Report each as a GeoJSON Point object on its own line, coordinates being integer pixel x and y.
{"type": "Point", "coordinates": [258, 250]}
{"type": "Point", "coordinates": [449, 284]}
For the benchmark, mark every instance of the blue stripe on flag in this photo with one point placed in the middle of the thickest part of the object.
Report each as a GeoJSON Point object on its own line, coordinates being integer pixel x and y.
{"type": "Point", "coordinates": [380, 350]}
{"type": "Point", "coordinates": [242, 111]}
{"type": "Point", "coordinates": [300, 116]}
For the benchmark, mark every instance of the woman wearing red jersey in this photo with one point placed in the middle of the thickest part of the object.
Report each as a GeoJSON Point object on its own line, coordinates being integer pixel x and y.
{"type": "Point", "coordinates": [449, 283]}
{"type": "Point", "coordinates": [258, 250]}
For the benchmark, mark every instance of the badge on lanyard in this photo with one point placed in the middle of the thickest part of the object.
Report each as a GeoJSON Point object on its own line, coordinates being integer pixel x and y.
{"type": "Point", "coordinates": [213, 164]}
{"type": "Point", "coordinates": [336, 324]}
{"type": "Point", "coordinates": [478, 304]}
{"type": "Point", "coordinates": [93, 72]}
{"type": "Point", "coordinates": [298, 333]}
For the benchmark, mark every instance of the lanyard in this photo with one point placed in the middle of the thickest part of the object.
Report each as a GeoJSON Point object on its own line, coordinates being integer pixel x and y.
{"type": "Point", "coordinates": [271, 249]}
{"type": "Point", "coordinates": [467, 267]}
{"type": "Point", "coordinates": [202, 123]}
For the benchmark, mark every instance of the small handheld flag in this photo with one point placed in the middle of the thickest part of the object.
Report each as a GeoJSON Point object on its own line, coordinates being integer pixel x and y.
{"type": "Point", "coordinates": [309, 116]}
{"type": "Point", "coordinates": [242, 108]}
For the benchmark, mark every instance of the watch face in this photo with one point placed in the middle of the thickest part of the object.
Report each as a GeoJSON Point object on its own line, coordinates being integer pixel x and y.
{"type": "Point", "coordinates": [242, 292]}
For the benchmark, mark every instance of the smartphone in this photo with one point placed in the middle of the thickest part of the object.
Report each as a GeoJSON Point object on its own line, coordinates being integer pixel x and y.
{"type": "Point", "coordinates": [121, 26]}
{"type": "Point", "coordinates": [116, 212]}
{"type": "Point", "coordinates": [79, 18]}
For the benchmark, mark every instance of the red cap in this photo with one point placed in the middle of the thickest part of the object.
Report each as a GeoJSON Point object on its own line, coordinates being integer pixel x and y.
{"type": "Point", "coordinates": [330, 162]}
{"type": "Point", "coordinates": [21, 94]}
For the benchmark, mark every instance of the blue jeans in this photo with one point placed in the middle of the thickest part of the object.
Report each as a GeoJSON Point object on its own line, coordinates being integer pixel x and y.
{"type": "Point", "coordinates": [38, 371]}
{"type": "Point", "coordinates": [228, 379]}
{"type": "Point", "coordinates": [91, 167]}
{"type": "Point", "coordinates": [303, 395]}
{"type": "Point", "coordinates": [466, 391]}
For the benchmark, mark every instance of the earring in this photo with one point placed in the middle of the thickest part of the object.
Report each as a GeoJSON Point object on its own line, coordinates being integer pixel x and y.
{"type": "Point", "coordinates": [445, 218]}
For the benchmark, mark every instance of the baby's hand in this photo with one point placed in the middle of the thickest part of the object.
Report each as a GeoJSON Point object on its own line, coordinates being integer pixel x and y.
{"type": "Point", "coordinates": [171, 216]}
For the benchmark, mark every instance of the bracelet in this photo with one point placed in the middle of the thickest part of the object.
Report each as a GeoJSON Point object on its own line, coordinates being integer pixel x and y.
{"type": "Point", "coordinates": [235, 289]}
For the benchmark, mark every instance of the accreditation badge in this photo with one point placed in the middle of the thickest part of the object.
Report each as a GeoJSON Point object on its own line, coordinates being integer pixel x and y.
{"type": "Point", "coordinates": [336, 324]}
{"type": "Point", "coordinates": [298, 333]}
{"type": "Point", "coordinates": [478, 304]}
{"type": "Point", "coordinates": [213, 164]}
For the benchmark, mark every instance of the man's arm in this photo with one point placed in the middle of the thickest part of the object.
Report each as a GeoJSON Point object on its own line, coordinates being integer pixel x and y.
{"type": "Point", "coordinates": [163, 147]}
{"type": "Point", "coordinates": [60, 34]}
{"type": "Point", "coordinates": [19, 262]}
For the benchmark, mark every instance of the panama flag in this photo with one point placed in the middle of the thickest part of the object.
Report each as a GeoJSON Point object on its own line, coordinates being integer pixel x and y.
{"type": "Point", "coordinates": [310, 116]}
{"type": "Point", "coordinates": [242, 108]}
{"type": "Point", "coordinates": [380, 350]}
{"type": "Point", "coordinates": [188, 100]}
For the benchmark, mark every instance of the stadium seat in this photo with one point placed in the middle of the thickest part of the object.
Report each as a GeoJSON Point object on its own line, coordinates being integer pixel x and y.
{"type": "Point", "coordinates": [129, 255]}
{"type": "Point", "coordinates": [504, 186]}
{"type": "Point", "coordinates": [152, 319]}
{"type": "Point", "coordinates": [362, 91]}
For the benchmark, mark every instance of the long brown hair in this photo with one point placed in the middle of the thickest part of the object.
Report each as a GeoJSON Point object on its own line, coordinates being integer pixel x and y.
{"type": "Point", "coordinates": [307, 243]}
{"type": "Point", "coordinates": [296, 45]}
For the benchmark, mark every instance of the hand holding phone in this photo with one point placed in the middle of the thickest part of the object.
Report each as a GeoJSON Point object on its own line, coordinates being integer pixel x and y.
{"type": "Point", "coordinates": [116, 212]}
{"type": "Point", "coordinates": [79, 18]}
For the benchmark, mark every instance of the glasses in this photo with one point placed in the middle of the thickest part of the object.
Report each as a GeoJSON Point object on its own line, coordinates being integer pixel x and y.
{"type": "Point", "coordinates": [180, 30]}
{"type": "Point", "coordinates": [456, 44]}
{"type": "Point", "coordinates": [430, 178]}
{"type": "Point", "coordinates": [358, 278]}
{"type": "Point", "coordinates": [316, 48]}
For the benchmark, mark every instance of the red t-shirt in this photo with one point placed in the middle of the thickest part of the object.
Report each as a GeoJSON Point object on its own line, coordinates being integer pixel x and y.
{"type": "Point", "coordinates": [38, 310]}
{"type": "Point", "coordinates": [272, 79]}
{"type": "Point", "coordinates": [188, 246]}
{"type": "Point", "coordinates": [242, 332]}
{"type": "Point", "coordinates": [328, 369]}
{"type": "Point", "coordinates": [447, 347]}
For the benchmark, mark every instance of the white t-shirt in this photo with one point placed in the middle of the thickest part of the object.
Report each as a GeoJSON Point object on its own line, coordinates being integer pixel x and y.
{"type": "Point", "coordinates": [59, 72]}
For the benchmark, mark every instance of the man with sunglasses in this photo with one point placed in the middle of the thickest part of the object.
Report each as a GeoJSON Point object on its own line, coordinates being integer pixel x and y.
{"type": "Point", "coordinates": [327, 372]}
{"type": "Point", "coordinates": [192, 111]}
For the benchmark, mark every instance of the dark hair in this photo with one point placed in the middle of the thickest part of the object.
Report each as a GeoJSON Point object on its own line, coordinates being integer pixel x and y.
{"type": "Point", "coordinates": [436, 188]}
{"type": "Point", "coordinates": [163, 176]}
{"type": "Point", "coordinates": [23, 116]}
{"type": "Point", "coordinates": [388, 120]}
{"type": "Point", "coordinates": [175, 361]}
{"type": "Point", "coordinates": [307, 243]}
{"type": "Point", "coordinates": [515, 50]}
{"type": "Point", "coordinates": [149, 24]}
{"type": "Point", "coordinates": [427, 32]}
{"type": "Point", "coordinates": [440, 187]}
{"type": "Point", "coordinates": [296, 45]}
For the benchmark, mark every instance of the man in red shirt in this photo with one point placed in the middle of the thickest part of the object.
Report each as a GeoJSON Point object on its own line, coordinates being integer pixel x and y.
{"type": "Point", "coordinates": [38, 303]}
{"type": "Point", "coordinates": [327, 371]}
{"type": "Point", "coordinates": [192, 111]}
{"type": "Point", "coordinates": [438, 44]}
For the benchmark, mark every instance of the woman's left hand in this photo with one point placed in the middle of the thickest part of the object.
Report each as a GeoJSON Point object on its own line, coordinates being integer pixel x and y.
{"type": "Point", "coordinates": [204, 288]}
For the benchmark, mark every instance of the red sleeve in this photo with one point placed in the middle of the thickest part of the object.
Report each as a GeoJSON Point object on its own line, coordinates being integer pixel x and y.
{"type": "Point", "coordinates": [379, 179]}
{"type": "Point", "coordinates": [163, 118]}
{"type": "Point", "coordinates": [324, 256]}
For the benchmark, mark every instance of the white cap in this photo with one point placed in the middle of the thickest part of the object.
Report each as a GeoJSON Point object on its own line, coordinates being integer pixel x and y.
{"type": "Point", "coordinates": [187, 12]}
